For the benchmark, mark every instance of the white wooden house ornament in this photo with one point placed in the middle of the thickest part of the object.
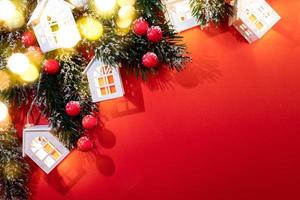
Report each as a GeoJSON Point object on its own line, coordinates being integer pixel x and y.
{"type": "Point", "coordinates": [54, 25]}
{"type": "Point", "coordinates": [104, 81]}
{"type": "Point", "coordinates": [253, 18]}
{"type": "Point", "coordinates": [180, 15]}
{"type": "Point", "coordinates": [43, 147]}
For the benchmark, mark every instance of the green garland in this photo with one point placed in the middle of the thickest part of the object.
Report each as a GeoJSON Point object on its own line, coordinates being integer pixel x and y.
{"type": "Point", "coordinates": [14, 171]}
{"type": "Point", "coordinates": [210, 11]}
{"type": "Point", "coordinates": [51, 93]}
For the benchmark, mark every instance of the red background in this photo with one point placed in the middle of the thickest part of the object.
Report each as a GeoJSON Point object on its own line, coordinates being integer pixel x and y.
{"type": "Point", "coordinates": [226, 128]}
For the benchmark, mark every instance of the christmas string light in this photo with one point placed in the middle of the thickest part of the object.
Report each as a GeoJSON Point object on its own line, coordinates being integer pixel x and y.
{"type": "Point", "coordinates": [90, 28]}
{"type": "Point", "coordinates": [18, 63]}
{"type": "Point", "coordinates": [3, 112]}
{"type": "Point", "coordinates": [105, 7]}
{"type": "Point", "coordinates": [7, 10]}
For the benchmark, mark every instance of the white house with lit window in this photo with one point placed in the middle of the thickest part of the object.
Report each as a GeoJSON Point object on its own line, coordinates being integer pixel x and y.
{"type": "Point", "coordinates": [180, 15]}
{"type": "Point", "coordinates": [104, 81]}
{"type": "Point", "coordinates": [43, 147]}
{"type": "Point", "coordinates": [54, 25]}
{"type": "Point", "coordinates": [253, 18]}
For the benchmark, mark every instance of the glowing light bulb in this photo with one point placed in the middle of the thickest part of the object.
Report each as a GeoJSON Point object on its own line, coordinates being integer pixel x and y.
{"type": "Point", "coordinates": [31, 74]}
{"type": "Point", "coordinates": [90, 28]}
{"type": "Point", "coordinates": [127, 13]}
{"type": "Point", "coordinates": [68, 37]}
{"type": "Point", "coordinates": [16, 21]}
{"type": "Point", "coordinates": [126, 2]}
{"type": "Point", "coordinates": [3, 112]}
{"type": "Point", "coordinates": [7, 9]}
{"type": "Point", "coordinates": [18, 63]}
{"type": "Point", "coordinates": [124, 23]}
{"type": "Point", "coordinates": [105, 7]}
{"type": "Point", "coordinates": [4, 80]}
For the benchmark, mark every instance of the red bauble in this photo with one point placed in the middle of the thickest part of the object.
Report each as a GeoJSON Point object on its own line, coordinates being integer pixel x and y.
{"type": "Point", "coordinates": [28, 39]}
{"type": "Point", "coordinates": [89, 122]}
{"type": "Point", "coordinates": [73, 108]}
{"type": "Point", "coordinates": [85, 144]}
{"type": "Point", "coordinates": [140, 27]}
{"type": "Point", "coordinates": [51, 67]}
{"type": "Point", "coordinates": [154, 34]}
{"type": "Point", "coordinates": [150, 60]}
{"type": "Point", "coordinates": [87, 53]}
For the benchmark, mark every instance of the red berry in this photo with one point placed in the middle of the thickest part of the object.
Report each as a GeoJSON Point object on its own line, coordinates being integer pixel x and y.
{"type": "Point", "coordinates": [140, 27]}
{"type": "Point", "coordinates": [85, 144]}
{"type": "Point", "coordinates": [155, 34]}
{"type": "Point", "coordinates": [51, 67]}
{"type": "Point", "coordinates": [28, 39]}
{"type": "Point", "coordinates": [73, 108]}
{"type": "Point", "coordinates": [89, 122]}
{"type": "Point", "coordinates": [150, 60]}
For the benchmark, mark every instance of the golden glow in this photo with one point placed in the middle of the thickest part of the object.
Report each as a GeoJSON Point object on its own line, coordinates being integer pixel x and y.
{"type": "Point", "coordinates": [18, 63]}
{"type": "Point", "coordinates": [68, 37]}
{"type": "Point", "coordinates": [31, 74]}
{"type": "Point", "coordinates": [7, 10]}
{"type": "Point", "coordinates": [125, 17]}
{"type": "Point", "coordinates": [124, 24]}
{"type": "Point", "coordinates": [126, 2]}
{"type": "Point", "coordinates": [127, 13]}
{"type": "Point", "coordinates": [4, 80]}
{"type": "Point", "coordinates": [122, 31]}
{"type": "Point", "coordinates": [90, 28]}
{"type": "Point", "coordinates": [35, 55]}
{"type": "Point", "coordinates": [105, 7]}
{"type": "Point", "coordinates": [16, 21]}
{"type": "Point", "coordinates": [3, 112]}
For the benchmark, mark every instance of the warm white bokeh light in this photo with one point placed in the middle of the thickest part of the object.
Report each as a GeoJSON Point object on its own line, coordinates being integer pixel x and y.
{"type": "Point", "coordinates": [3, 112]}
{"type": "Point", "coordinates": [127, 13]}
{"type": "Point", "coordinates": [31, 74]}
{"type": "Point", "coordinates": [16, 21]}
{"type": "Point", "coordinates": [90, 28]}
{"type": "Point", "coordinates": [7, 9]}
{"type": "Point", "coordinates": [126, 2]}
{"type": "Point", "coordinates": [18, 63]}
{"type": "Point", "coordinates": [68, 37]}
{"type": "Point", "coordinates": [105, 5]}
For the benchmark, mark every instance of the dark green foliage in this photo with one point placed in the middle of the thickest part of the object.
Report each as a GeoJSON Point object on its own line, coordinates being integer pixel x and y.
{"type": "Point", "coordinates": [128, 50]}
{"type": "Point", "coordinates": [210, 11]}
{"type": "Point", "coordinates": [56, 91]}
{"type": "Point", "coordinates": [52, 92]}
{"type": "Point", "coordinates": [14, 171]}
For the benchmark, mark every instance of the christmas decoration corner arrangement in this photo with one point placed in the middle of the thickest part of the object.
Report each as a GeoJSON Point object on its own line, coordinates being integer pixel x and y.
{"type": "Point", "coordinates": [63, 57]}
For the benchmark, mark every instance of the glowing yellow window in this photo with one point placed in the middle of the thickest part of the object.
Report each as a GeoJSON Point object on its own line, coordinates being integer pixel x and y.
{"type": "Point", "coordinates": [103, 91]}
{"type": "Point", "coordinates": [259, 25]}
{"type": "Point", "coordinates": [45, 151]}
{"type": "Point", "coordinates": [102, 81]}
{"type": "Point", "coordinates": [56, 155]}
{"type": "Point", "coordinates": [113, 89]}
{"type": "Point", "coordinates": [110, 79]}
{"type": "Point", "coordinates": [252, 18]}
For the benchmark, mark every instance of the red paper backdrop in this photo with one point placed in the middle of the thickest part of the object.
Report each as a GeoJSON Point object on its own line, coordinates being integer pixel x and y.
{"type": "Point", "coordinates": [226, 128]}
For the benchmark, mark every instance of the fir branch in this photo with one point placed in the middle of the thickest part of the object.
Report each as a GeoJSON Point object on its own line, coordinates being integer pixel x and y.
{"type": "Point", "coordinates": [56, 91]}
{"type": "Point", "coordinates": [128, 50]}
{"type": "Point", "coordinates": [14, 171]}
{"type": "Point", "coordinates": [210, 11]}
{"type": "Point", "coordinates": [18, 95]}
